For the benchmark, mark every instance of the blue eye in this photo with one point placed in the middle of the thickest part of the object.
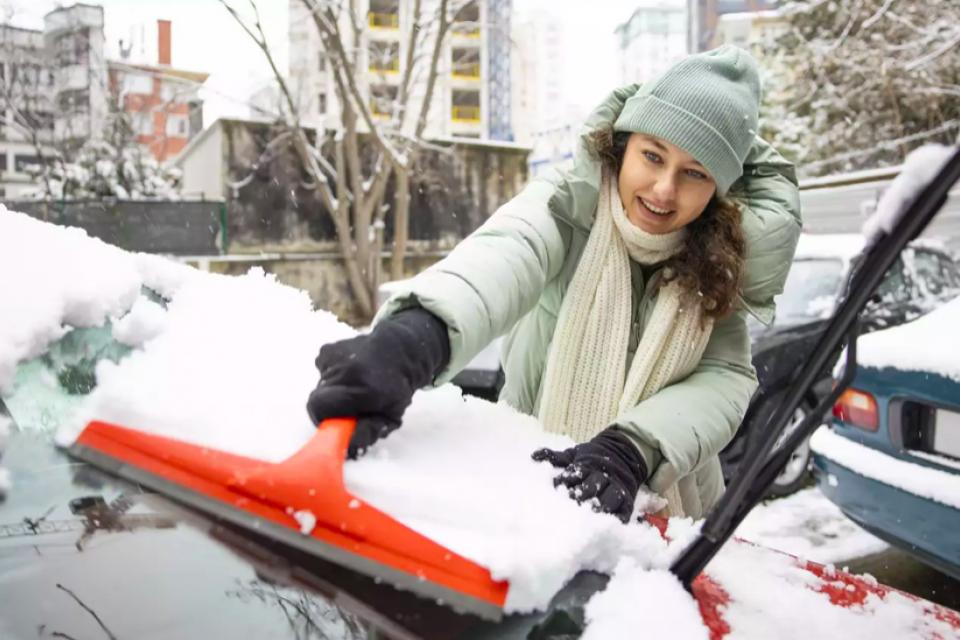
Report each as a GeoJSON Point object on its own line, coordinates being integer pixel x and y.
{"type": "Point", "coordinates": [696, 174]}
{"type": "Point", "coordinates": [652, 157]}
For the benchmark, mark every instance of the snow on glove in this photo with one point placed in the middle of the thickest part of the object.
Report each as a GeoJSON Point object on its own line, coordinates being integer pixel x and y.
{"type": "Point", "coordinates": [608, 469]}
{"type": "Point", "coordinates": [373, 377]}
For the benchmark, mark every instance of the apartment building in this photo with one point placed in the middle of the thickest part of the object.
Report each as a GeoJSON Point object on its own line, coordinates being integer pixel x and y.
{"type": "Point", "coordinates": [460, 104]}
{"type": "Point", "coordinates": [58, 89]}
{"type": "Point", "coordinates": [652, 40]}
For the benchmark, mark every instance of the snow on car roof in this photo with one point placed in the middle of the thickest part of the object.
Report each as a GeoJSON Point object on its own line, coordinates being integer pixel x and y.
{"type": "Point", "coordinates": [916, 345]}
{"type": "Point", "coordinates": [845, 246]}
{"type": "Point", "coordinates": [228, 363]}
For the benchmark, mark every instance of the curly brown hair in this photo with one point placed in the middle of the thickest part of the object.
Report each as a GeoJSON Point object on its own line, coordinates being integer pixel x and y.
{"type": "Point", "coordinates": [713, 260]}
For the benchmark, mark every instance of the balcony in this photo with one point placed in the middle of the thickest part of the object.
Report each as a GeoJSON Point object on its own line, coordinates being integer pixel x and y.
{"type": "Point", "coordinates": [384, 14]}
{"type": "Point", "coordinates": [466, 114]}
{"type": "Point", "coordinates": [466, 23]}
{"type": "Point", "coordinates": [383, 20]}
{"type": "Point", "coordinates": [466, 29]}
{"type": "Point", "coordinates": [466, 64]}
{"type": "Point", "coordinates": [384, 57]}
{"type": "Point", "coordinates": [383, 100]}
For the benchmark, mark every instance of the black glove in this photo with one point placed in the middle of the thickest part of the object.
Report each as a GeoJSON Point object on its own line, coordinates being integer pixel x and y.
{"type": "Point", "coordinates": [608, 468]}
{"type": "Point", "coordinates": [373, 377]}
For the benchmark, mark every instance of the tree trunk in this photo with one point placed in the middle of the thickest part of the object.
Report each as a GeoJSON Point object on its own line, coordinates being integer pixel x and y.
{"type": "Point", "coordinates": [401, 223]}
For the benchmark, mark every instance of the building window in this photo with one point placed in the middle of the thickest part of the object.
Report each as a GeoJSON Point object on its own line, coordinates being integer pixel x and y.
{"type": "Point", "coordinates": [142, 124]}
{"type": "Point", "coordinates": [20, 163]}
{"type": "Point", "coordinates": [467, 21]}
{"type": "Point", "coordinates": [384, 14]}
{"type": "Point", "coordinates": [322, 104]}
{"type": "Point", "coordinates": [137, 83]}
{"type": "Point", "coordinates": [73, 47]}
{"type": "Point", "coordinates": [322, 62]}
{"type": "Point", "coordinates": [466, 107]}
{"type": "Point", "coordinates": [466, 63]}
{"type": "Point", "coordinates": [169, 92]}
{"type": "Point", "coordinates": [178, 126]}
{"type": "Point", "coordinates": [74, 101]}
{"type": "Point", "coordinates": [3, 162]}
{"type": "Point", "coordinates": [384, 57]}
{"type": "Point", "coordinates": [383, 100]}
{"type": "Point", "coordinates": [37, 120]}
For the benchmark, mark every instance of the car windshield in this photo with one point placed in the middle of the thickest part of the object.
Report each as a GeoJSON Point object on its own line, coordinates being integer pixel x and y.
{"type": "Point", "coordinates": [810, 291]}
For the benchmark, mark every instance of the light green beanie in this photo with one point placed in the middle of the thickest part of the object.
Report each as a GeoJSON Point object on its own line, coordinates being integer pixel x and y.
{"type": "Point", "coordinates": [707, 104]}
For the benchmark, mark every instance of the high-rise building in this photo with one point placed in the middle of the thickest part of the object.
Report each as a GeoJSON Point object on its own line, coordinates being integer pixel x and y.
{"type": "Point", "coordinates": [538, 95]}
{"type": "Point", "coordinates": [750, 30]}
{"type": "Point", "coordinates": [652, 39]}
{"type": "Point", "coordinates": [705, 18]}
{"type": "Point", "coordinates": [460, 106]}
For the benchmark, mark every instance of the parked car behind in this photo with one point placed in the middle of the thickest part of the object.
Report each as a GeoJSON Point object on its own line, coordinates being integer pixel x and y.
{"type": "Point", "coordinates": [921, 280]}
{"type": "Point", "coordinates": [891, 457]}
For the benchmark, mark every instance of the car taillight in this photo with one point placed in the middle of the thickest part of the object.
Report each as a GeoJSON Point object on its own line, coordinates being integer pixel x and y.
{"type": "Point", "coordinates": [858, 409]}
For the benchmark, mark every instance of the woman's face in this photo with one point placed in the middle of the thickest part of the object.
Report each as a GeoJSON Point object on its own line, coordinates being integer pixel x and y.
{"type": "Point", "coordinates": [662, 187]}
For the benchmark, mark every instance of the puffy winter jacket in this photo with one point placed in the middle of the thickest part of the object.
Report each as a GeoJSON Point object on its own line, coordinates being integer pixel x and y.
{"type": "Point", "coordinates": [510, 277]}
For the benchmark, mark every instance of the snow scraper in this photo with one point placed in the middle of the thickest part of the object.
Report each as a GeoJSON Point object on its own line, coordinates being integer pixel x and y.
{"type": "Point", "coordinates": [300, 502]}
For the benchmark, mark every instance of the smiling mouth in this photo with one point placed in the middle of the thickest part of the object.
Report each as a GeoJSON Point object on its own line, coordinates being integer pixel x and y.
{"type": "Point", "coordinates": [652, 209]}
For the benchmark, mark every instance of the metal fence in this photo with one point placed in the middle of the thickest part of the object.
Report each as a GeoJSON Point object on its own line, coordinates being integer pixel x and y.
{"type": "Point", "coordinates": [183, 228]}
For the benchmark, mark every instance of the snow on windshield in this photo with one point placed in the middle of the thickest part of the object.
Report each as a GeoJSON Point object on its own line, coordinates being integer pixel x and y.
{"type": "Point", "coordinates": [227, 362]}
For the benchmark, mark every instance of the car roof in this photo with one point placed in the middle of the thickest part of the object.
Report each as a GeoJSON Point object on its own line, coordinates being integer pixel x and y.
{"type": "Point", "coordinates": [847, 246]}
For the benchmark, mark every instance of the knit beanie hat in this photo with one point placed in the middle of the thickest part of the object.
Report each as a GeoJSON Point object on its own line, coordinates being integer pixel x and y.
{"type": "Point", "coordinates": [707, 104]}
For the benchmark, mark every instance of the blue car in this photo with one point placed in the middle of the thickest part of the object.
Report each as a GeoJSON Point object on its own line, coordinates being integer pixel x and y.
{"type": "Point", "coordinates": [891, 456]}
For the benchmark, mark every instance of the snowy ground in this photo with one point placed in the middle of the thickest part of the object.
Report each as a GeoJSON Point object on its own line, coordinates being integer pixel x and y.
{"type": "Point", "coordinates": [809, 526]}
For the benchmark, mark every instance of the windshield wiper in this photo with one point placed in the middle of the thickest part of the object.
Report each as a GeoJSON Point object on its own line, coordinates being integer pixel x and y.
{"type": "Point", "coordinates": [760, 469]}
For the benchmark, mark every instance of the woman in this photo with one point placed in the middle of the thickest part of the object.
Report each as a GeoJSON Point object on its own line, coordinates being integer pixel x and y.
{"type": "Point", "coordinates": [622, 285]}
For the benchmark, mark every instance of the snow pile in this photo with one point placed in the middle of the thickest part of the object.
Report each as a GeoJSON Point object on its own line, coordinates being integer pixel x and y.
{"type": "Point", "coordinates": [54, 279]}
{"type": "Point", "coordinates": [932, 484]}
{"type": "Point", "coordinates": [840, 246]}
{"type": "Point", "coordinates": [145, 321]}
{"type": "Point", "coordinates": [921, 167]}
{"type": "Point", "coordinates": [232, 368]}
{"type": "Point", "coordinates": [643, 603]}
{"type": "Point", "coordinates": [246, 394]}
{"type": "Point", "coordinates": [809, 526]}
{"type": "Point", "coordinates": [914, 346]}
{"type": "Point", "coordinates": [494, 505]}
{"type": "Point", "coordinates": [773, 596]}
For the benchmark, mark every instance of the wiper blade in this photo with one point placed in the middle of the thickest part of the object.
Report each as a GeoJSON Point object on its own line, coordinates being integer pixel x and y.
{"type": "Point", "coordinates": [758, 472]}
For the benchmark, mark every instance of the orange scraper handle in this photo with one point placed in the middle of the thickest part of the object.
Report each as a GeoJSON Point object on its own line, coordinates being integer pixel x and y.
{"type": "Point", "coordinates": [309, 482]}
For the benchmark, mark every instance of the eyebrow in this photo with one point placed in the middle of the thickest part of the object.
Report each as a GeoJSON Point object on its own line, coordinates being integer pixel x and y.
{"type": "Point", "coordinates": [659, 145]}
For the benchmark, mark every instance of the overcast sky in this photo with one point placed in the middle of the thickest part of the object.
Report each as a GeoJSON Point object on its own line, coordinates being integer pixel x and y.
{"type": "Point", "coordinates": [205, 38]}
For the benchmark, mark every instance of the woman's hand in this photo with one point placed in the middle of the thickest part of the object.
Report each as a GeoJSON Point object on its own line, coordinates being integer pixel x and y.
{"type": "Point", "coordinates": [373, 377]}
{"type": "Point", "coordinates": [609, 468]}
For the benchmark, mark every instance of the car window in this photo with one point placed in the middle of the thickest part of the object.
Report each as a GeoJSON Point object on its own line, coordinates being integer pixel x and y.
{"type": "Point", "coordinates": [810, 291]}
{"type": "Point", "coordinates": [894, 288]}
{"type": "Point", "coordinates": [934, 278]}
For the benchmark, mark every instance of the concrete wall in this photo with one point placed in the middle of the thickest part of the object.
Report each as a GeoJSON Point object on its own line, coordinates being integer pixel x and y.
{"type": "Point", "coordinates": [454, 192]}
{"type": "Point", "coordinates": [202, 169]}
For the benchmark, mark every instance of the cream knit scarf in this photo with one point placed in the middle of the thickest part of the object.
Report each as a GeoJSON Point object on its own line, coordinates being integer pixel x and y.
{"type": "Point", "coordinates": [586, 385]}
